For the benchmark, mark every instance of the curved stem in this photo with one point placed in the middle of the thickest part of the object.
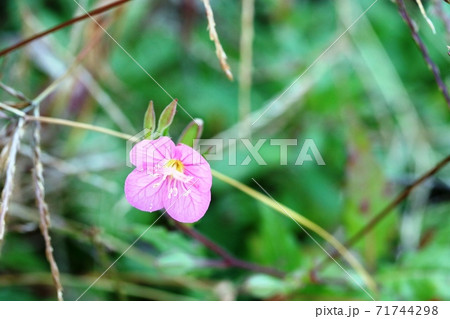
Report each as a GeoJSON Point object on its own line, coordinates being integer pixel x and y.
{"type": "Point", "coordinates": [83, 126]}
{"type": "Point", "coordinates": [228, 259]}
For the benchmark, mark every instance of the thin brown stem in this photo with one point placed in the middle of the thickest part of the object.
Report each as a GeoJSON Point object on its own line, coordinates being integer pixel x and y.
{"type": "Point", "coordinates": [389, 208]}
{"type": "Point", "coordinates": [228, 259]}
{"type": "Point", "coordinates": [423, 49]}
{"type": "Point", "coordinates": [62, 25]}
{"type": "Point", "coordinates": [79, 58]}
{"type": "Point", "coordinates": [400, 198]}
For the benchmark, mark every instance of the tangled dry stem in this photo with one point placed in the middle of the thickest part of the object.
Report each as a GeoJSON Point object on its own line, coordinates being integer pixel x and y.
{"type": "Point", "coordinates": [215, 38]}
{"type": "Point", "coordinates": [44, 214]}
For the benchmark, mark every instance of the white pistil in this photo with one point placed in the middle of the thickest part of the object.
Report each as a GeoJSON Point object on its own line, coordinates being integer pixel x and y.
{"type": "Point", "coordinates": [186, 193]}
{"type": "Point", "coordinates": [174, 169]}
{"type": "Point", "coordinates": [173, 191]}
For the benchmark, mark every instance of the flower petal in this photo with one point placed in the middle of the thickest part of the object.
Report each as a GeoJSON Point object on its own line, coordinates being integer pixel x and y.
{"type": "Point", "coordinates": [143, 191]}
{"type": "Point", "coordinates": [188, 204]}
{"type": "Point", "coordinates": [146, 154]}
{"type": "Point", "coordinates": [195, 165]}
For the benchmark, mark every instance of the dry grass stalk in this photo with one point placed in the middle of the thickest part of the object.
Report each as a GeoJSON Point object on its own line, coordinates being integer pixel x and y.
{"type": "Point", "coordinates": [444, 16]}
{"type": "Point", "coordinates": [424, 14]}
{"type": "Point", "coordinates": [13, 92]}
{"type": "Point", "coordinates": [4, 155]}
{"type": "Point", "coordinates": [44, 214]}
{"type": "Point", "coordinates": [245, 66]}
{"type": "Point", "coordinates": [215, 38]}
{"type": "Point", "coordinates": [10, 166]}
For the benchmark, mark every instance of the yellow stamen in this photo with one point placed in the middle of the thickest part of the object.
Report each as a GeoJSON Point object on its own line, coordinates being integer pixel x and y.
{"type": "Point", "coordinates": [176, 164]}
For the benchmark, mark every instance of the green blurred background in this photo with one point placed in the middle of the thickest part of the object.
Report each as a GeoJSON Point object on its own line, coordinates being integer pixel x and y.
{"type": "Point", "coordinates": [370, 104]}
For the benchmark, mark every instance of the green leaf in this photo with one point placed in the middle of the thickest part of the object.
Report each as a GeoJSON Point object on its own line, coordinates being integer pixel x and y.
{"type": "Point", "coordinates": [264, 286]}
{"type": "Point", "coordinates": [177, 263]}
{"type": "Point", "coordinates": [419, 275]}
{"type": "Point", "coordinates": [166, 118]}
{"type": "Point", "coordinates": [150, 120]}
{"type": "Point", "coordinates": [366, 194]}
{"type": "Point", "coordinates": [192, 132]}
{"type": "Point", "coordinates": [269, 248]}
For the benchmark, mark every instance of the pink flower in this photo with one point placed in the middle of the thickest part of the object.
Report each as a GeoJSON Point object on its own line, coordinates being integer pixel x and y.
{"type": "Point", "coordinates": [176, 178]}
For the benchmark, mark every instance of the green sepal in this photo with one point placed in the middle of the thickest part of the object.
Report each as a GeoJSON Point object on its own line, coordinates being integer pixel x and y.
{"type": "Point", "coordinates": [192, 132]}
{"type": "Point", "coordinates": [166, 118]}
{"type": "Point", "coordinates": [150, 121]}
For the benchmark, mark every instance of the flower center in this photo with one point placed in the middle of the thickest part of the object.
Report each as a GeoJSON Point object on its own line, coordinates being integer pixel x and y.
{"type": "Point", "coordinates": [173, 172]}
{"type": "Point", "coordinates": [174, 164]}
{"type": "Point", "coordinates": [174, 169]}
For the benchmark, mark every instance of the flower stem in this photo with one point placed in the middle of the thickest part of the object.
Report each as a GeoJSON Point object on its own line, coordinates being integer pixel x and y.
{"type": "Point", "coordinates": [228, 259]}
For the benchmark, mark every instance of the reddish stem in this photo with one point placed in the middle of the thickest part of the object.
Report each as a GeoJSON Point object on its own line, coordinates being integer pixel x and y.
{"type": "Point", "coordinates": [228, 259]}
{"type": "Point", "coordinates": [62, 25]}
{"type": "Point", "coordinates": [423, 49]}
